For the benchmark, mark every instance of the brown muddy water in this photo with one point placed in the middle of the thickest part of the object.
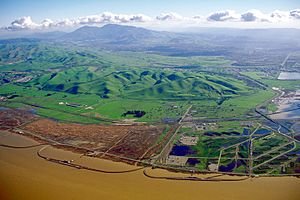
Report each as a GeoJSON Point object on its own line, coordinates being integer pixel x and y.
{"type": "Point", "coordinates": [23, 175]}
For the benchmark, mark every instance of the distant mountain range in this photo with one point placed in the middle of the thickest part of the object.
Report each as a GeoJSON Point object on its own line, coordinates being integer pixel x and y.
{"type": "Point", "coordinates": [130, 35]}
{"type": "Point", "coordinates": [210, 40]}
{"type": "Point", "coordinates": [114, 34]}
{"type": "Point", "coordinates": [240, 45]}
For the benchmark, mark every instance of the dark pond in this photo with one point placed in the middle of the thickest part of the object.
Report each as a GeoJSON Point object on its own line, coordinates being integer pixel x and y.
{"type": "Point", "coordinates": [193, 161]}
{"type": "Point", "coordinates": [13, 96]}
{"type": "Point", "coordinates": [135, 113]}
{"type": "Point", "coordinates": [211, 133]}
{"type": "Point", "coordinates": [246, 131]}
{"type": "Point", "coordinates": [262, 131]}
{"type": "Point", "coordinates": [293, 153]}
{"type": "Point", "coordinates": [245, 144]}
{"type": "Point", "coordinates": [182, 150]}
{"type": "Point", "coordinates": [230, 166]}
{"type": "Point", "coordinates": [73, 90]}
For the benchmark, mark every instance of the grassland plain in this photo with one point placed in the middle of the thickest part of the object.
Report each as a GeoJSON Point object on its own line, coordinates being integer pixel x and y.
{"type": "Point", "coordinates": [232, 107]}
{"type": "Point", "coordinates": [91, 86]}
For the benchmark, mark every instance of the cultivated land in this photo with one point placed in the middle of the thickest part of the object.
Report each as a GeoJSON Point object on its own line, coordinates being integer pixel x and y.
{"type": "Point", "coordinates": [153, 106]}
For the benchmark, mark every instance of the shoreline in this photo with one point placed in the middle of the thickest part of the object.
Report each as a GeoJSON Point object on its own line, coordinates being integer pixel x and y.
{"type": "Point", "coordinates": [143, 165]}
{"type": "Point", "coordinates": [26, 176]}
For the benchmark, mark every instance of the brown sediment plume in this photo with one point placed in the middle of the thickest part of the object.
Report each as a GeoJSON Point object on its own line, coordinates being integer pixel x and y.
{"type": "Point", "coordinates": [26, 176]}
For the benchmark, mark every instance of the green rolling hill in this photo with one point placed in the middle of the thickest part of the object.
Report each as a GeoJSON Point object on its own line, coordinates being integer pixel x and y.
{"type": "Point", "coordinates": [140, 83]}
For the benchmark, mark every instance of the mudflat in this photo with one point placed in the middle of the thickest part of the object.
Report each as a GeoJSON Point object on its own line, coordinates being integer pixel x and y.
{"type": "Point", "coordinates": [23, 175]}
{"type": "Point", "coordinates": [131, 141]}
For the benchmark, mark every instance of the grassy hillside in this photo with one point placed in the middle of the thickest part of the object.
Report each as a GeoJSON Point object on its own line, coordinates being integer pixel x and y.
{"type": "Point", "coordinates": [89, 85]}
{"type": "Point", "coordinates": [139, 83]}
{"type": "Point", "coordinates": [104, 94]}
{"type": "Point", "coordinates": [28, 56]}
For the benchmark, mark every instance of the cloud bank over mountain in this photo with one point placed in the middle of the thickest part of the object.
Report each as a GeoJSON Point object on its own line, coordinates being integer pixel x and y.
{"type": "Point", "coordinates": [227, 15]}
{"type": "Point", "coordinates": [171, 16]}
{"type": "Point", "coordinates": [236, 19]}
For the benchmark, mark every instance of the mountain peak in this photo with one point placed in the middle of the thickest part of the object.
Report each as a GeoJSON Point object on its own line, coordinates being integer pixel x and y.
{"type": "Point", "coordinates": [110, 33]}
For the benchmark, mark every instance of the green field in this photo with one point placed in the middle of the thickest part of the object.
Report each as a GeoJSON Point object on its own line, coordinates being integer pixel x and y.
{"type": "Point", "coordinates": [93, 86]}
{"type": "Point", "coordinates": [108, 93]}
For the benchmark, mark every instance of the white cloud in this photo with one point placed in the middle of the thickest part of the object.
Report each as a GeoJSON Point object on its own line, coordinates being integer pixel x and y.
{"type": "Point", "coordinates": [280, 16]}
{"type": "Point", "coordinates": [171, 16]}
{"type": "Point", "coordinates": [254, 15]}
{"type": "Point", "coordinates": [227, 15]}
{"type": "Point", "coordinates": [108, 17]}
{"type": "Point", "coordinates": [295, 13]}
{"type": "Point", "coordinates": [103, 18]}
{"type": "Point", "coordinates": [140, 18]}
{"type": "Point", "coordinates": [47, 23]}
{"type": "Point", "coordinates": [65, 23]}
{"type": "Point", "coordinates": [92, 19]}
{"type": "Point", "coordinates": [198, 17]}
{"type": "Point", "coordinates": [23, 23]}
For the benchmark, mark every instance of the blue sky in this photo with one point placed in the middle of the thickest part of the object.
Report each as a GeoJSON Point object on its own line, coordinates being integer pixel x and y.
{"type": "Point", "coordinates": [58, 9]}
